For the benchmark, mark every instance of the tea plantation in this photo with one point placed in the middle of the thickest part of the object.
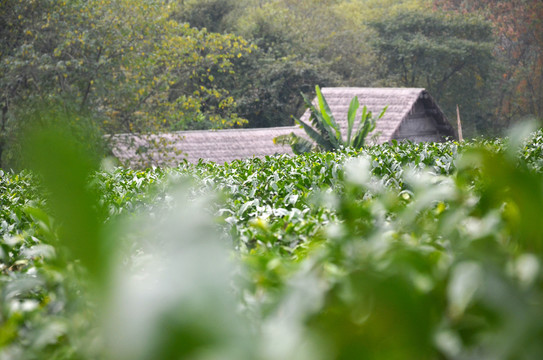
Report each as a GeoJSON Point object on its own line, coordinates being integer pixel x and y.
{"type": "Point", "coordinates": [399, 251]}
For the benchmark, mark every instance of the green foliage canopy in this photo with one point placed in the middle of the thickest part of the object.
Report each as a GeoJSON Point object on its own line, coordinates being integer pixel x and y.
{"type": "Point", "coordinates": [449, 55]}
{"type": "Point", "coordinates": [400, 250]}
{"type": "Point", "coordinates": [129, 62]}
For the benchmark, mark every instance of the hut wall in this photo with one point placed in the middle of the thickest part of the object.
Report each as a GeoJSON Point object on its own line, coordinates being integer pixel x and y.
{"type": "Point", "coordinates": [418, 127]}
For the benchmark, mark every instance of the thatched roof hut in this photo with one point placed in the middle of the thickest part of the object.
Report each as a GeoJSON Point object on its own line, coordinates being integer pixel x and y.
{"type": "Point", "coordinates": [412, 115]}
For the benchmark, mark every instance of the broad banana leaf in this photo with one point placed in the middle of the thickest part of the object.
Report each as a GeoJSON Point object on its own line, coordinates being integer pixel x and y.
{"type": "Point", "coordinates": [322, 126]}
{"type": "Point", "coordinates": [351, 114]}
{"type": "Point", "coordinates": [327, 115]}
{"type": "Point", "coordinates": [324, 143]}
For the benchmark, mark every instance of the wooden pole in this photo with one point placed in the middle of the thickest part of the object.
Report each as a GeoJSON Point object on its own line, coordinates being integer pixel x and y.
{"type": "Point", "coordinates": [460, 137]}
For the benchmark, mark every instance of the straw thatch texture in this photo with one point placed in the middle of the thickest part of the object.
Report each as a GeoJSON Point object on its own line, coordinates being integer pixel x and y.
{"type": "Point", "coordinates": [403, 103]}
{"type": "Point", "coordinates": [219, 146]}
{"type": "Point", "coordinates": [412, 114]}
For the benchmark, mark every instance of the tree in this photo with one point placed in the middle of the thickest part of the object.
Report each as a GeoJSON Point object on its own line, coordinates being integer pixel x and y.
{"type": "Point", "coordinates": [268, 83]}
{"type": "Point", "coordinates": [210, 14]}
{"type": "Point", "coordinates": [451, 56]}
{"type": "Point", "coordinates": [128, 62]}
{"type": "Point", "coordinates": [518, 27]}
{"type": "Point", "coordinates": [270, 95]}
{"type": "Point", "coordinates": [318, 31]}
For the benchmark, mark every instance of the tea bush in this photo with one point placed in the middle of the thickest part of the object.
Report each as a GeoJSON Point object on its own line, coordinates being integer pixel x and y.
{"type": "Point", "coordinates": [398, 251]}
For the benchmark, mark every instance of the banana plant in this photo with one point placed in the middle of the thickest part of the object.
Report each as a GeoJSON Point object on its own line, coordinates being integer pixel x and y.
{"type": "Point", "coordinates": [324, 131]}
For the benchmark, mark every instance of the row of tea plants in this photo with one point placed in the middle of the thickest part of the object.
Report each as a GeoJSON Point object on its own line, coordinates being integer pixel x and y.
{"type": "Point", "coordinates": [397, 251]}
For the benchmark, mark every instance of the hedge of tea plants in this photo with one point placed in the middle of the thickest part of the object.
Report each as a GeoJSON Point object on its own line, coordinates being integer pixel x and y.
{"type": "Point", "coordinates": [398, 251]}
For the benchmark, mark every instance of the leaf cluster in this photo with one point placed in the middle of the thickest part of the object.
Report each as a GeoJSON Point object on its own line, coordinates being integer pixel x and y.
{"type": "Point", "coordinates": [400, 250]}
{"type": "Point", "coordinates": [326, 132]}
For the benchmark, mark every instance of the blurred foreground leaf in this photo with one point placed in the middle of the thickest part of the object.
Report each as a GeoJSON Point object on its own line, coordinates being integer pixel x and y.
{"type": "Point", "coordinates": [65, 166]}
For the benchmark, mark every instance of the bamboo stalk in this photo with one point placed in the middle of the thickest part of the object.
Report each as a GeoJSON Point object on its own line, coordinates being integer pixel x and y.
{"type": "Point", "coordinates": [460, 137]}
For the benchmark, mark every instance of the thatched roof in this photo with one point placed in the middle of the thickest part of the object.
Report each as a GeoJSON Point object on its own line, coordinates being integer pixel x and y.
{"type": "Point", "coordinates": [400, 101]}
{"type": "Point", "coordinates": [219, 146]}
{"type": "Point", "coordinates": [227, 145]}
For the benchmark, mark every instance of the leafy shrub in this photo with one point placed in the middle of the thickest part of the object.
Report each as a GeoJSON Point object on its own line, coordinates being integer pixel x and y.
{"type": "Point", "coordinates": [395, 251]}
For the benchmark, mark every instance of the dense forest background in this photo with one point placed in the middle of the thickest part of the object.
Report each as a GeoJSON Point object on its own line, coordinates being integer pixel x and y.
{"type": "Point", "coordinates": [165, 65]}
